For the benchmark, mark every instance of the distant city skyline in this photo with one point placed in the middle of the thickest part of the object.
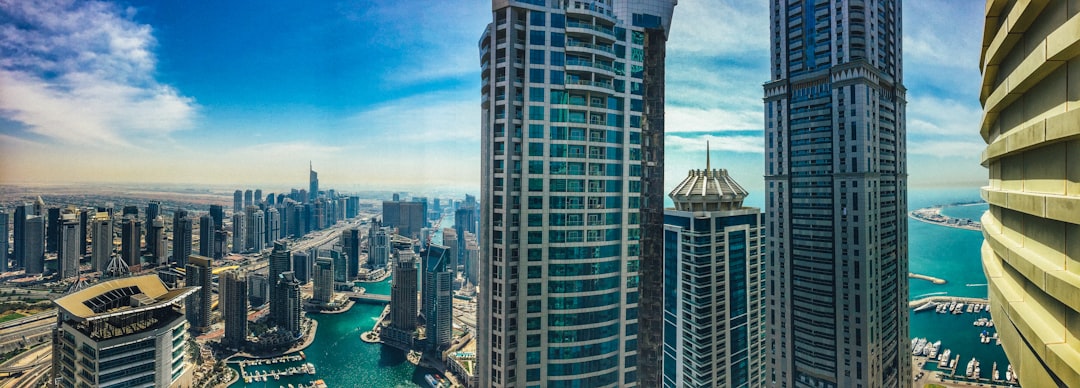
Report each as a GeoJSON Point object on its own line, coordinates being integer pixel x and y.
{"type": "Point", "coordinates": [183, 93]}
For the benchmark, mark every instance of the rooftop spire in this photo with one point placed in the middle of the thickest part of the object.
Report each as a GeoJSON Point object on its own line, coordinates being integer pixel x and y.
{"type": "Point", "coordinates": [708, 157]}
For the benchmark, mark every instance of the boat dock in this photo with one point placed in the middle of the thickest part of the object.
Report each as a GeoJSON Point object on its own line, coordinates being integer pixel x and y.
{"type": "Point", "coordinates": [931, 279]}
{"type": "Point", "coordinates": [946, 299]}
{"type": "Point", "coordinates": [308, 368]}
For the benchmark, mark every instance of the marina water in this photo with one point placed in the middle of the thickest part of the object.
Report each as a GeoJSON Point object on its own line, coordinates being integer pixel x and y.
{"type": "Point", "coordinates": [341, 359]}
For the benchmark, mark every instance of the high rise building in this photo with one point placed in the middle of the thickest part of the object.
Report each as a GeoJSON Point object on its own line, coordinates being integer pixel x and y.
{"type": "Point", "coordinates": [438, 298]}
{"type": "Point", "coordinates": [378, 245]}
{"type": "Point", "coordinates": [67, 254]}
{"type": "Point", "coordinates": [1031, 125]}
{"type": "Point", "coordinates": [33, 244]}
{"type": "Point", "coordinates": [270, 199]}
{"type": "Point", "coordinates": [836, 181]}
{"type": "Point", "coordinates": [352, 207]}
{"type": "Point", "coordinates": [52, 229]}
{"type": "Point", "coordinates": [313, 183]}
{"type": "Point", "coordinates": [18, 234]}
{"type": "Point", "coordinates": [239, 224]}
{"type": "Point", "coordinates": [130, 210]}
{"type": "Point", "coordinates": [350, 241]}
{"type": "Point", "coordinates": [254, 232]}
{"type": "Point", "coordinates": [153, 209]}
{"type": "Point", "coordinates": [471, 258]}
{"type": "Point", "coordinates": [198, 273]}
{"type": "Point", "coordinates": [3, 240]}
{"type": "Point", "coordinates": [249, 198]}
{"type": "Point", "coordinates": [289, 289]}
{"type": "Point", "coordinates": [403, 309]}
{"type": "Point", "coordinates": [84, 227]}
{"type": "Point", "coordinates": [234, 308]}
{"type": "Point", "coordinates": [407, 216]}
{"type": "Point", "coordinates": [101, 249]}
{"type": "Point", "coordinates": [258, 289]}
{"type": "Point", "coordinates": [714, 311]}
{"type": "Point", "coordinates": [218, 212]}
{"type": "Point", "coordinates": [130, 230]}
{"type": "Point", "coordinates": [302, 263]}
{"type": "Point", "coordinates": [323, 289]}
{"type": "Point", "coordinates": [565, 91]}
{"type": "Point", "coordinates": [280, 262]}
{"type": "Point", "coordinates": [155, 239]}
{"type": "Point", "coordinates": [238, 201]}
{"type": "Point", "coordinates": [206, 236]}
{"type": "Point", "coordinates": [258, 197]}
{"type": "Point", "coordinates": [273, 225]}
{"type": "Point", "coordinates": [182, 236]}
{"type": "Point", "coordinates": [221, 243]}
{"type": "Point", "coordinates": [126, 331]}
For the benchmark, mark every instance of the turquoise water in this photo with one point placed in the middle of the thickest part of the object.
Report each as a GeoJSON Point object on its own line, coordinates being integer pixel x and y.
{"type": "Point", "coordinates": [342, 359]}
{"type": "Point", "coordinates": [954, 255]}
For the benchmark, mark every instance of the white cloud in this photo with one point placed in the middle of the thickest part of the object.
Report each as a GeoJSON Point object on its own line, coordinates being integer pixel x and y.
{"type": "Point", "coordinates": [931, 115]}
{"type": "Point", "coordinates": [80, 72]}
{"type": "Point", "coordinates": [731, 143]}
{"type": "Point", "coordinates": [687, 119]}
{"type": "Point", "coordinates": [425, 118]}
{"type": "Point", "coordinates": [719, 28]}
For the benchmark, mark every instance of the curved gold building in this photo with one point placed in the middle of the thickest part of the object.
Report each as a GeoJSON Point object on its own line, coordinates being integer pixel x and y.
{"type": "Point", "coordinates": [1031, 123]}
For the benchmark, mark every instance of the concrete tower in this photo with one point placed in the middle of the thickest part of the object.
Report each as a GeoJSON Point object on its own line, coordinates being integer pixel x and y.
{"type": "Point", "coordinates": [67, 254]}
{"type": "Point", "coordinates": [323, 289]}
{"type": "Point", "coordinates": [836, 181]}
{"type": "Point", "coordinates": [313, 183]}
{"type": "Point", "coordinates": [206, 236]}
{"type": "Point", "coordinates": [198, 274]}
{"type": "Point", "coordinates": [234, 308]}
{"type": "Point", "coordinates": [403, 307]}
{"type": "Point", "coordinates": [1031, 124]}
{"type": "Point", "coordinates": [238, 201]}
{"type": "Point", "coordinates": [102, 245]}
{"type": "Point", "coordinates": [572, 191]}
{"type": "Point", "coordinates": [438, 297]}
{"type": "Point", "coordinates": [182, 236]}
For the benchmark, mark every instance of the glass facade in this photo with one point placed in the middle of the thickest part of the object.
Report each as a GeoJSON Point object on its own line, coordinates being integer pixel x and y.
{"type": "Point", "coordinates": [561, 181]}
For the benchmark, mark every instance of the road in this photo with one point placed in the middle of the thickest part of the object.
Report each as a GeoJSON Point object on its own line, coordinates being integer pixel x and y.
{"type": "Point", "coordinates": [314, 239]}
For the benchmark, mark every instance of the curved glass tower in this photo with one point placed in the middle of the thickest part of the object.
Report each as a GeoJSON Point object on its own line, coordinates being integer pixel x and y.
{"type": "Point", "coordinates": [572, 104]}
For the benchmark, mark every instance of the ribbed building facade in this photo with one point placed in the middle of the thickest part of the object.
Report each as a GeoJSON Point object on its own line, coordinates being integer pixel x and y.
{"type": "Point", "coordinates": [1030, 94]}
{"type": "Point", "coordinates": [572, 144]}
{"type": "Point", "coordinates": [836, 203]}
{"type": "Point", "coordinates": [714, 289]}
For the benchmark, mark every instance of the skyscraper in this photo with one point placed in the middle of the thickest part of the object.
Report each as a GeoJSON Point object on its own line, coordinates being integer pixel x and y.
{"type": "Point", "coordinates": [182, 236]}
{"type": "Point", "coordinates": [155, 239]}
{"type": "Point", "coordinates": [1031, 126]}
{"type": "Point", "coordinates": [249, 198]}
{"type": "Point", "coordinates": [302, 263]}
{"type": "Point", "coordinates": [130, 230]}
{"type": "Point", "coordinates": [323, 289]}
{"type": "Point", "coordinates": [378, 245]}
{"type": "Point", "coordinates": [239, 224]}
{"type": "Point", "coordinates": [33, 244]}
{"type": "Point", "coordinates": [206, 236]}
{"type": "Point", "coordinates": [403, 307]}
{"type": "Point", "coordinates": [572, 162]}
{"type": "Point", "coordinates": [126, 332]}
{"type": "Point", "coordinates": [280, 262]}
{"type": "Point", "coordinates": [153, 209]}
{"type": "Point", "coordinates": [836, 182]}
{"type": "Point", "coordinates": [52, 229]}
{"type": "Point", "coordinates": [258, 197]}
{"type": "Point", "coordinates": [289, 290]}
{"type": "Point", "coordinates": [67, 254]}
{"type": "Point", "coordinates": [313, 183]}
{"type": "Point", "coordinates": [350, 241]}
{"type": "Point", "coordinates": [102, 246]}
{"type": "Point", "coordinates": [273, 225]}
{"type": "Point", "coordinates": [438, 297]}
{"type": "Point", "coordinates": [407, 216]}
{"type": "Point", "coordinates": [234, 308]}
{"type": "Point", "coordinates": [218, 213]}
{"type": "Point", "coordinates": [255, 230]}
{"type": "Point", "coordinates": [198, 273]}
{"type": "Point", "coordinates": [714, 311]}
{"type": "Point", "coordinates": [3, 240]}
{"type": "Point", "coordinates": [18, 233]}
{"type": "Point", "coordinates": [238, 201]}
{"type": "Point", "coordinates": [258, 288]}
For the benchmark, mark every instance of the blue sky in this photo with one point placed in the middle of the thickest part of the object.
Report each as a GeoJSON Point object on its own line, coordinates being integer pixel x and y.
{"type": "Point", "coordinates": [385, 94]}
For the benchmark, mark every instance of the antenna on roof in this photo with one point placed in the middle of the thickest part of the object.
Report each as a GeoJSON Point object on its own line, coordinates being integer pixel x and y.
{"type": "Point", "coordinates": [708, 157]}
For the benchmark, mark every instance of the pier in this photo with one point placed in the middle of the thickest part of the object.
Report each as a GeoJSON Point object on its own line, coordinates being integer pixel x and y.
{"type": "Point", "coordinates": [946, 298]}
{"type": "Point", "coordinates": [926, 277]}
